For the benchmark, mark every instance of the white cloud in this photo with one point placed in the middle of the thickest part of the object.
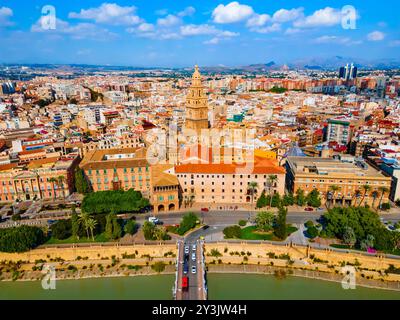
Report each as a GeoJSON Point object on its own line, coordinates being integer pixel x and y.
{"type": "Point", "coordinates": [321, 18]}
{"type": "Point", "coordinates": [109, 13]}
{"type": "Point", "coordinates": [79, 31]}
{"type": "Point", "coordinates": [395, 43]}
{"type": "Point", "coordinates": [189, 11]}
{"type": "Point", "coordinates": [332, 39]}
{"type": "Point", "coordinates": [376, 36]}
{"type": "Point", "coordinates": [168, 21]}
{"type": "Point", "coordinates": [145, 27]}
{"type": "Point", "coordinates": [232, 12]}
{"type": "Point", "coordinates": [212, 41]}
{"type": "Point", "coordinates": [258, 20]}
{"type": "Point", "coordinates": [201, 29]}
{"type": "Point", "coordinates": [284, 15]}
{"type": "Point", "coordinates": [272, 28]}
{"type": "Point", "coordinates": [205, 29]}
{"type": "Point", "coordinates": [290, 31]}
{"type": "Point", "coordinates": [5, 15]}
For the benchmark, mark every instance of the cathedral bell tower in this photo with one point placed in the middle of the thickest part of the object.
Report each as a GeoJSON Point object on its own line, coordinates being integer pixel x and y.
{"type": "Point", "coordinates": [196, 105]}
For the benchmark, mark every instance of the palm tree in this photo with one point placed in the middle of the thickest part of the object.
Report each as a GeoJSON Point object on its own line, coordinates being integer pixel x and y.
{"type": "Point", "coordinates": [334, 188]}
{"type": "Point", "coordinates": [375, 195]}
{"type": "Point", "coordinates": [91, 224]}
{"type": "Point", "coordinates": [84, 220]}
{"type": "Point", "coordinates": [60, 183]}
{"type": "Point", "coordinates": [252, 188]}
{"type": "Point", "coordinates": [383, 190]}
{"type": "Point", "coordinates": [53, 182]}
{"type": "Point", "coordinates": [272, 178]}
{"type": "Point", "coordinates": [365, 188]}
{"type": "Point", "coordinates": [357, 195]}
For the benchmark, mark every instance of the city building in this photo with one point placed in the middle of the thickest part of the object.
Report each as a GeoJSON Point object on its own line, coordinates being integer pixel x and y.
{"type": "Point", "coordinates": [228, 184]}
{"type": "Point", "coordinates": [48, 178]}
{"type": "Point", "coordinates": [350, 174]}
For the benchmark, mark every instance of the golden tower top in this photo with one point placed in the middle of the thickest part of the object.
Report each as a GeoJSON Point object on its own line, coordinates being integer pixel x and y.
{"type": "Point", "coordinates": [196, 77]}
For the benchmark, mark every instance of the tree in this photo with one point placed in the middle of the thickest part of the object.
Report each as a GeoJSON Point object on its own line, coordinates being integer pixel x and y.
{"type": "Point", "coordinates": [81, 184]}
{"type": "Point", "coordinates": [365, 188]}
{"type": "Point", "coordinates": [109, 226]}
{"type": "Point", "coordinates": [280, 225]}
{"type": "Point", "coordinates": [91, 224]}
{"type": "Point", "coordinates": [232, 232]}
{"type": "Point", "coordinates": [313, 199]}
{"type": "Point", "coordinates": [357, 195]}
{"type": "Point", "coordinates": [275, 200]}
{"type": "Point", "coordinates": [262, 201]}
{"type": "Point", "coordinates": [252, 188]}
{"type": "Point", "coordinates": [188, 222]}
{"type": "Point", "coordinates": [272, 178]}
{"type": "Point", "coordinates": [84, 218]}
{"type": "Point", "coordinates": [288, 199]}
{"type": "Point", "coordinates": [60, 183]}
{"type": "Point", "coordinates": [375, 195]}
{"type": "Point", "coordinates": [333, 189]}
{"type": "Point", "coordinates": [117, 231]}
{"type": "Point", "coordinates": [16, 217]}
{"type": "Point", "coordinates": [62, 229]}
{"type": "Point", "coordinates": [53, 182]}
{"type": "Point", "coordinates": [74, 224]}
{"type": "Point", "coordinates": [264, 221]}
{"type": "Point", "coordinates": [130, 227]}
{"type": "Point", "coordinates": [312, 232]}
{"type": "Point", "coordinates": [383, 190]}
{"type": "Point", "coordinates": [300, 198]}
{"type": "Point", "coordinates": [148, 230]}
{"type": "Point", "coordinates": [349, 237]}
{"type": "Point", "coordinates": [21, 239]}
{"type": "Point", "coordinates": [368, 242]}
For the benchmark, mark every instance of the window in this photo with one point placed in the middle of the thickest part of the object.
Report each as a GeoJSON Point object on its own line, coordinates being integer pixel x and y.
{"type": "Point", "coordinates": [160, 198]}
{"type": "Point", "coordinates": [171, 197]}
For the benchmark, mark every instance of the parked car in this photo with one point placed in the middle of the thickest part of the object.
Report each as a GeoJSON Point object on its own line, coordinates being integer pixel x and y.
{"type": "Point", "coordinates": [186, 249]}
{"type": "Point", "coordinates": [154, 220]}
{"type": "Point", "coordinates": [185, 268]}
{"type": "Point", "coordinates": [193, 256]}
{"type": "Point", "coordinates": [309, 209]}
{"type": "Point", "coordinates": [205, 209]}
{"type": "Point", "coordinates": [194, 269]}
{"type": "Point", "coordinates": [185, 283]}
{"type": "Point", "coordinates": [194, 247]}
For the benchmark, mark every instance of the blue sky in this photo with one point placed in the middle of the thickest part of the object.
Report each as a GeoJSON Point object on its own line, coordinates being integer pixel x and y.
{"type": "Point", "coordinates": [176, 33]}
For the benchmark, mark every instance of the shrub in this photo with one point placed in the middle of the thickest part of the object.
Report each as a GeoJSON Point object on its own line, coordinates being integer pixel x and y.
{"type": "Point", "coordinates": [188, 222]}
{"type": "Point", "coordinates": [158, 266]}
{"type": "Point", "coordinates": [232, 232]}
{"type": "Point", "coordinates": [21, 239]}
{"type": "Point", "coordinates": [385, 206]}
{"type": "Point", "coordinates": [130, 227]}
{"type": "Point", "coordinates": [309, 224]}
{"type": "Point", "coordinates": [312, 232]}
{"type": "Point", "coordinates": [242, 223]}
{"type": "Point", "coordinates": [62, 229]}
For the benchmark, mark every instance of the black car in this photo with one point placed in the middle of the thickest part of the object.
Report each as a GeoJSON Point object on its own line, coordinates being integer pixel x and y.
{"type": "Point", "coordinates": [185, 268]}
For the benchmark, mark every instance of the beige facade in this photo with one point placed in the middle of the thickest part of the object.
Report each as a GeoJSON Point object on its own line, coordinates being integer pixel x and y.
{"type": "Point", "coordinates": [318, 173]}
{"type": "Point", "coordinates": [228, 183]}
{"type": "Point", "coordinates": [48, 178]}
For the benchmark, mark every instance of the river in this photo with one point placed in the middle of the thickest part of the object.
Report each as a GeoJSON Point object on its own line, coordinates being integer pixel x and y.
{"type": "Point", "coordinates": [221, 286]}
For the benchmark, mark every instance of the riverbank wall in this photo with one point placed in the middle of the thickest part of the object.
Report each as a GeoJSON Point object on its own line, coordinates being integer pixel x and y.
{"type": "Point", "coordinates": [366, 267]}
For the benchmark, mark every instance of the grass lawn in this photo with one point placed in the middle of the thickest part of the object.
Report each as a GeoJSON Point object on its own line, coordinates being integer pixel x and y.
{"type": "Point", "coordinates": [250, 233]}
{"type": "Point", "coordinates": [98, 238]}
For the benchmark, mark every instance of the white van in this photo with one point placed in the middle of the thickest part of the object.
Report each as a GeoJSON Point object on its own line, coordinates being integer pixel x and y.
{"type": "Point", "coordinates": [154, 220]}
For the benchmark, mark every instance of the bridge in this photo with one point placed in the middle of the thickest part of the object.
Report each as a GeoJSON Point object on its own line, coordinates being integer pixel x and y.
{"type": "Point", "coordinates": [190, 285]}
